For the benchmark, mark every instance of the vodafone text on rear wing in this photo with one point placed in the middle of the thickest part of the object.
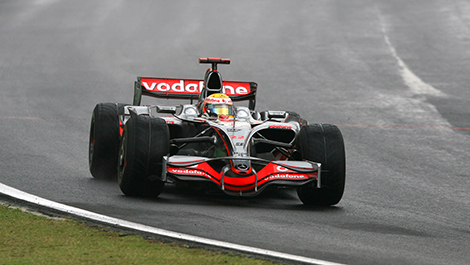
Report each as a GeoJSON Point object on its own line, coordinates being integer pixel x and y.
{"type": "Point", "coordinates": [174, 88]}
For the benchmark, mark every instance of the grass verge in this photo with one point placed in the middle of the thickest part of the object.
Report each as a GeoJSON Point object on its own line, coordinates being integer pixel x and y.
{"type": "Point", "coordinates": [30, 239]}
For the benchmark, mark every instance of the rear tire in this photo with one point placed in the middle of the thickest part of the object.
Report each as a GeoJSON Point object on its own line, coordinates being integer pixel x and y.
{"type": "Point", "coordinates": [323, 143]}
{"type": "Point", "coordinates": [145, 141]}
{"type": "Point", "coordinates": [104, 140]}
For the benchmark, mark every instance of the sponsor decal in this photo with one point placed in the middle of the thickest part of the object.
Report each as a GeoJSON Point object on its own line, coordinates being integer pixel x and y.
{"type": "Point", "coordinates": [184, 86]}
{"type": "Point", "coordinates": [286, 176]}
{"type": "Point", "coordinates": [280, 127]}
{"type": "Point", "coordinates": [213, 99]}
{"type": "Point", "coordinates": [185, 171]}
{"type": "Point", "coordinates": [279, 168]}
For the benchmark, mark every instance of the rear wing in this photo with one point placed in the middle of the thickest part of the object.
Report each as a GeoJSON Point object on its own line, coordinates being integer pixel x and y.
{"type": "Point", "coordinates": [173, 88]}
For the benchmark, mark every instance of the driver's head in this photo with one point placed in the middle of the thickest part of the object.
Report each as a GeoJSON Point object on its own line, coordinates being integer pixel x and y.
{"type": "Point", "coordinates": [218, 104]}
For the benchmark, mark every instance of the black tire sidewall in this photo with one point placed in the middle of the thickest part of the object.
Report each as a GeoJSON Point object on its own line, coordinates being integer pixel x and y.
{"type": "Point", "coordinates": [323, 143]}
{"type": "Point", "coordinates": [145, 142]}
{"type": "Point", "coordinates": [104, 140]}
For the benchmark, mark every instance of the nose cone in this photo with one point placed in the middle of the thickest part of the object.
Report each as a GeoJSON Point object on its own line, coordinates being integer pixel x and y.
{"type": "Point", "coordinates": [241, 167]}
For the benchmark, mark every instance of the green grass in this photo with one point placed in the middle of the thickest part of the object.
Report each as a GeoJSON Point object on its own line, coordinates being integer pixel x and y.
{"type": "Point", "coordinates": [30, 239]}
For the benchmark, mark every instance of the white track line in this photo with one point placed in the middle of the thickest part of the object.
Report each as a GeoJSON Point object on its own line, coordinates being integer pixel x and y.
{"type": "Point", "coordinates": [23, 196]}
{"type": "Point", "coordinates": [414, 83]}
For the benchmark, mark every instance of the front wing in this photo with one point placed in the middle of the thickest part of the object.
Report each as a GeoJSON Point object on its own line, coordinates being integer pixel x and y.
{"type": "Point", "coordinates": [217, 170]}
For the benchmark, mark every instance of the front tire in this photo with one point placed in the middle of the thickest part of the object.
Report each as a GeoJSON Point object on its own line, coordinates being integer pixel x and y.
{"type": "Point", "coordinates": [104, 140]}
{"type": "Point", "coordinates": [144, 143]}
{"type": "Point", "coordinates": [323, 143]}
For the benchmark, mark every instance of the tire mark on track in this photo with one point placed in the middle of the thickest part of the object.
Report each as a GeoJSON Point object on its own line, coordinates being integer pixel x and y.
{"type": "Point", "coordinates": [403, 126]}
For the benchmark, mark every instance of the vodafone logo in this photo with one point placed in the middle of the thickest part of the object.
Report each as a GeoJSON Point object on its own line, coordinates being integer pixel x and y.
{"type": "Point", "coordinates": [186, 172]}
{"type": "Point", "coordinates": [191, 86]}
{"type": "Point", "coordinates": [172, 86]}
{"type": "Point", "coordinates": [282, 169]}
{"type": "Point", "coordinates": [286, 176]}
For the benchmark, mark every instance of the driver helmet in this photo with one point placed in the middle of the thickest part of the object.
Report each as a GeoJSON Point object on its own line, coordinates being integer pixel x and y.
{"type": "Point", "coordinates": [218, 105]}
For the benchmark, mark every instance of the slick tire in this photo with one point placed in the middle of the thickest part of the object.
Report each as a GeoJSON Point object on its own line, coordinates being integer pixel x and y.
{"type": "Point", "coordinates": [323, 143]}
{"type": "Point", "coordinates": [145, 141]}
{"type": "Point", "coordinates": [104, 140]}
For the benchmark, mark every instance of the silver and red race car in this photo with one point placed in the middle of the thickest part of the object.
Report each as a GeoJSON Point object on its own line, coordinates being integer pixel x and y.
{"type": "Point", "coordinates": [237, 149]}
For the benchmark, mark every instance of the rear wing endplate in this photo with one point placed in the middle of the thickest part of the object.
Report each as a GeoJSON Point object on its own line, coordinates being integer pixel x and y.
{"type": "Point", "coordinates": [173, 88]}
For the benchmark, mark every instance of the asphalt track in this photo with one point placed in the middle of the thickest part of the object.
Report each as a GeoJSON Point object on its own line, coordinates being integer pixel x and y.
{"type": "Point", "coordinates": [393, 75]}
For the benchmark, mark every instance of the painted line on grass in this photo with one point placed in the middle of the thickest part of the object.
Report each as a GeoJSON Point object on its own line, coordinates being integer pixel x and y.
{"type": "Point", "coordinates": [29, 198]}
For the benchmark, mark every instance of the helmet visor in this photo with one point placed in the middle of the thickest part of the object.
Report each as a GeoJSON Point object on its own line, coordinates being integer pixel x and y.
{"type": "Point", "coordinates": [220, 109]}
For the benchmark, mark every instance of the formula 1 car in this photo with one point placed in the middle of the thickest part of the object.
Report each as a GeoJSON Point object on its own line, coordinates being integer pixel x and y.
{"type": "Point", "coordinates": [238, 149]}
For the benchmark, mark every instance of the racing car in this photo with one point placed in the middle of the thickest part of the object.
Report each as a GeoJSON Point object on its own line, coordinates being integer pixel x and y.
{"type": "Point", "coordinates": [237, 149]}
